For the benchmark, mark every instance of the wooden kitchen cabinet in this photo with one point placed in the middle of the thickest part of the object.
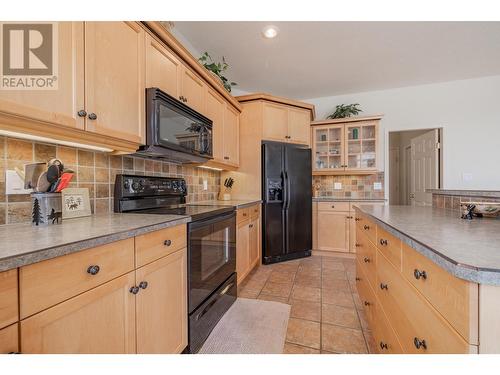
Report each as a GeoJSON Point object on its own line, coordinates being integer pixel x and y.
{"type": "Point", "coordinates": [101, 320]}
{"type": "Point", "coordinates": [231, 136]}
{"type": "Point", "coordinates": [345, 146]}
{"type": "Point", "coordinates": [163, 68]}
{"type": "Point", "coordinates": [9, 312]}
{"type": "Point", "coordinates": [162, 305]}
{"type": "Point", "coordinates": [253, 242]}
{"type": "Point", "coordinates": [192, 90]}
{"type": "Point", "coordinates": [9, 339]}
{"type": "Point", "coordinates": [215, 110]}
{"type": "Point", "coordinates": [242, 250]}
{"type": "Point", "coordinates": [248, 240]}
{"type": "Point", "coordinates": [283, 123]}
{"type": "Point", "coordinates": [299, 126]}
{"type": "Point", "coordinates": [333, 229]}
{"type": "Point", "coordinates": [114, 79]}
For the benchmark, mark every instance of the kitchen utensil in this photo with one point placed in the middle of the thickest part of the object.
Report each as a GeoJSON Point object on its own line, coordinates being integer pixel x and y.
{"type": "Point", "coordinates": [43, 185]}
{"type": "Point", "coordinates": [53, 173]}
{"type": "Point", "coordinates": [32, 173]}
{"type": "Point", "coordinates": [64, 181]}
{"type": "Point", "coordinates": [57, 162]}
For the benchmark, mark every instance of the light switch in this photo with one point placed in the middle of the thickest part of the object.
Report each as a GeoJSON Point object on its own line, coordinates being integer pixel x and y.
{"type": "Point", "coordinates": [205, 185]}
{"type": "Point", "coordinates": [466, 177]}
{"type": "Point", "coordinates": [377, 186]}
{"type": "Point", "coordinates": [337, 185]}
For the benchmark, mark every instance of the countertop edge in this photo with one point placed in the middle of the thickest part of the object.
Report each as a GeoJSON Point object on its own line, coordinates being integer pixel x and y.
{"type": "Point", "coordinates": [328, 199]}
{"type": "Point", "coordinates": [73, 247]}
{"type": "Point", "coordinates": [466, 193]}
{"type": "Point", "coordinates": [461, 271]}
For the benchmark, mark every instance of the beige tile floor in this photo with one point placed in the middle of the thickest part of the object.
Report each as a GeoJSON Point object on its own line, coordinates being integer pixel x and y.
{"type": "Point", "coordinates": [326, 313]}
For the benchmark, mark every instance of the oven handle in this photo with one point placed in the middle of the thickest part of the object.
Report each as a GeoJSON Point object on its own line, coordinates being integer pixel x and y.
{"type": "Point", "coordinates": [198, 224]}
{"type": "Point", "coordinates": [212, 303]}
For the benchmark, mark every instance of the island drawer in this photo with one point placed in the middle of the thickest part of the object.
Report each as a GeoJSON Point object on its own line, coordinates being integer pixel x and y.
{"type": "Point", "coordinates": [386, 339]}
{"type": "Point", "coordinates": [8, 298]}
{"type": "Point", "coordinates": [366, 226]}
{"type": "Point", "coordinates": [254, 211]}
{"type": "Point", "coordinates": [9, 339]}
{"type": "Point", "coordinates": [50, 282]}
{"type": "Point", "coordinates": [366, 255]}
{"type": "Point", "coordinates": [390, 246]}
{"type": "Point", "coordinates": [455, 299]}
{"type": "Point", "coordinates": [155, 245]}
{"type": "Point", "coordinates": [420, 328]}
{"type": "Point", "coordinates": [366, 294]}
{"type": "Point", "coordinates": [333, 206]}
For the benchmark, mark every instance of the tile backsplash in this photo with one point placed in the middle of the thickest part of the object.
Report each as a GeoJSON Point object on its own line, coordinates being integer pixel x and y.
{"type": "Point", "coordinates": [356, 186]}
{"type": "Point", "coordinates": [453, 202]}
{"type": "Point", "coordinates": [95, 171]}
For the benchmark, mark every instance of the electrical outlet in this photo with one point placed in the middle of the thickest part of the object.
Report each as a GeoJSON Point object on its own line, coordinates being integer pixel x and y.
{"type": "Point", "coordinates": [15, 184]}
{"type": "Point", "coordinates": [466, 177]}
{"type": "Point", "coordinates": [337, 185]}
{"type": "Point", "coordinates": [205, 185]}
{"type": "Point", "coordinates": [377, 186]}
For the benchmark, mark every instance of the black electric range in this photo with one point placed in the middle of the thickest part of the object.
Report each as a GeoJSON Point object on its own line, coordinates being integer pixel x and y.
{"type": "Point", "coordinates": [212, 286]}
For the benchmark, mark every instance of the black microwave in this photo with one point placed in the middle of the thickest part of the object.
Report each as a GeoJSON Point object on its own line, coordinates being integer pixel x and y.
{"type": "Point", "coordinates": [175, 131]}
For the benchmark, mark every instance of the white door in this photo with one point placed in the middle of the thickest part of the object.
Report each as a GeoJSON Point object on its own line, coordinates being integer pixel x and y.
{"type": "Point", "coordinates": [394, 176]}
{"type": "Point", "coordinates": [424, 167]}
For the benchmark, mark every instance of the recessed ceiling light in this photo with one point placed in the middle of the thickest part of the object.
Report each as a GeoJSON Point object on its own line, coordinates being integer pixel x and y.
{"type": "Point", "coordinates": [270, 32]}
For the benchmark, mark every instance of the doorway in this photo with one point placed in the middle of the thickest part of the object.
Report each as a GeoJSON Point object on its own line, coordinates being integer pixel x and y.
{"type": "Point", "coordinates": [415, 165]}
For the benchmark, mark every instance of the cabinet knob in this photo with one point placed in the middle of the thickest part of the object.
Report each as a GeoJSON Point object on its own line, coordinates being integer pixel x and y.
{"type": "Point", "coordinates": [244, 214]}
{"type": "Point", "coordinates": [143, 284]}
{"type": "Point", "coordinates": [333, 206]}
{"type": "Point", "coordinates": [419, 274]}
{"type": "Point", "coordinates": [250, 226]}
{"type": "Point", "coordinates": [92, 116]}
{"type": "Point", "coordinates": [226, 157]}
{"type": "Point", "coordinates": [367, 303]}
{"type": "Point", "coordinates": [358, 219]}
{"type": "Point", "coordinates": [384, 286]}
{"type": "Point", "coordinates": [419, 343]}
{"type": "Point", "coordinates": [167, 242]}
{"type": "Point", "coordinates": [357, 245]}
{"type": "Point", "coordinates": [383, 345]}
{"type": "Point", "coordinates": [93, 270]}
{"type": "Point", "coordinates": [134, 290]}
{"type": "Point", "coordinates": [366, 227]}
{"type": "Point", "coordinates": [358, 279]}
{"type": "Point", "coordinates": [81, 113]}
{"type": "Point", "coordinates": [383, 242]}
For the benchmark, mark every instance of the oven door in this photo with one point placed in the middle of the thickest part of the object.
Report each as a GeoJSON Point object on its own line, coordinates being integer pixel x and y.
{"type": "Point", "coordinates": [212, 256]}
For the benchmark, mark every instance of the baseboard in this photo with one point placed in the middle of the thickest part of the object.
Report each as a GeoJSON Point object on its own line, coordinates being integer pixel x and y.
{"type": "Point", "coordinates": [333, 254]}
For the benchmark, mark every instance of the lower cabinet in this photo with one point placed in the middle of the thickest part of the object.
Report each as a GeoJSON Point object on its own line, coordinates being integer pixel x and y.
{"type": "Point", "coordinates": [333, 231]}
{"type": "Point", "coordinates": [9, 339]}
{"type": "Point", "coordinates": [247, 241]}
{"type": "Point", "coordinates": [162, 305]}
{"type": "Point", "coordinates": [242, 250]}
{"type": "Point", "coordinates": [101, 320]}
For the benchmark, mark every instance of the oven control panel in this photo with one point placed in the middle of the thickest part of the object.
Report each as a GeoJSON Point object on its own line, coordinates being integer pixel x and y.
{"type": "Point", "coordinates": [140, 186]}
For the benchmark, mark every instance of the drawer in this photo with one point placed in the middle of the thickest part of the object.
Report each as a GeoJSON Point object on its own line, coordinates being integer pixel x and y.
{"type": "Point", "coordinates": [419, 327]}
{"type": "Point", "coordinates": [52, 281]}
{"type": "Point", "coordinates": [386, 339]}
{"type": "Point", "coordinates": [366, 254]}
{"type": "Point", "coordinates": [366, 226]}
{"type": "Point", "coordinates": [455, 299]}
{"type": "Point", "coordinates": [242, 214]}
{"type": "Point", "coordinates": [8, 298]}
{"type": "Point", "coordinates": [9, 339]}
{"type": "Point", "coordinates": [333, 206]}
{"type": "Point", "coordinates": [155, 245]}
{"type": "Point", "coordinates": [390, 246]}
{"type": "Point", "coordinates": [254, 211]}
{"type": "Point", "coordinates": [366, 295]}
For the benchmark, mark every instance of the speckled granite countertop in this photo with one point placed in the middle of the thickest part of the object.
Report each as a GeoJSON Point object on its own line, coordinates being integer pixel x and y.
{"type": "Point", "coordinates": [23, 244]}
{"type": "Point", "coordinates": [467, 249]}
{"type": "Point", "coordinates": [333, 199]}
{"type": "Point", "coordinates": [235, 203]}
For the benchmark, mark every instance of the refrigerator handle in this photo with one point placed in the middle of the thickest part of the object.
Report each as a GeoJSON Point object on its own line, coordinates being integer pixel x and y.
{"type": "Point", "coordinates": [287, 191]}
{"type": "Point", "coordinates": [283, 179]}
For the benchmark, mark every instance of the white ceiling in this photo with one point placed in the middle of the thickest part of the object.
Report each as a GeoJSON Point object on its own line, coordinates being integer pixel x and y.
{"type": "Point", "coordinates": [314, 59]}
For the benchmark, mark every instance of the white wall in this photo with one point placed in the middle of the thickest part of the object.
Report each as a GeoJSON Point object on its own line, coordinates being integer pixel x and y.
{"type": "Point", "coordinates": [468, 111]}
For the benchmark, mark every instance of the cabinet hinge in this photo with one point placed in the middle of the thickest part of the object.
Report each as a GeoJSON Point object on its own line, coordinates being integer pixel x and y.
{"type": "Point", "coordinates": [438, 146]}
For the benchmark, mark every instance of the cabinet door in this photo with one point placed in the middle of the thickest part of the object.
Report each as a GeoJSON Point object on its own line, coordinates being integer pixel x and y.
{"type": "Point", "coordinates": [253, 242]}
{"type": "Point", "coordinates": [361, 146]}
{"type": "Point", "coordinates": [9, 339]}
{"type": "Point", "coordinates": [114, 79]}
{"type": "Point", "coordinates": [55, 106]}
{"type": "Point", "coordinates": [100, 321]}
{"type": "Point", "coordinates": [242, 250]}
{"type": "Point", "coordinates": [275, 122]}
{"type": "Point", "coordinates": [163, 69]}
{"type": "Point", "coordinates": [162, 305]}
{"type": "Point", "coordinates": [231, 135]}
{"type": "Point", "coordinates": [333, 231]}
{"type": "Point", "coordinates": [299, 125]}
{"type": "Point", "coordinates": [9, 312]}
{"type": "Point", "coordinates": [215, 108]}
{"type": "Point", "coordinates": [328, 148]}
{"type": "Point", "coordinates": [193, 90]}
{"type": "Point", "coordinates": [352, 232]}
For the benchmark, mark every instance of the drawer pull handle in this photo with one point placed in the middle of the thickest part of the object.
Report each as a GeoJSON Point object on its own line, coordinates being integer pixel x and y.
{"type": "Point", "coordinates": [167, 242]}
{"type": "Point", "coordinates": [366, 227]}
{"type": "Point", "coordinates": [358, 279]}
{"type": "Point", "coordinates": [357, 245]}
{"type": "Point", "coordinates": [383, 346]}
{"type": "Point", "coordinates": [358, 219]}
{"type": "Point", "coordinates": [366, 260]}
{"type": "Point", "coordinates": [93, 270]}
{"type": "Point", "coordinates": [383, 242]}
{"type": "Point", "coordinates": [367, 303]}
{"type": "Point", "coordinates": [420, 274]}
{"type": "Point", "coordinates": [333, 206]}
{"type": "Point", "coordinates": [384, 286]}
{"type": "Point", "coordinates": [81, 113]}
{"type": "Point", "coordinates": [419, 343]}
{"type": "Point", "coordinates": [92, 116]}
{"type": "Point", "coordinates": [250, 226]}
{"type": "Point", "coordinates": [143, 284]}
{"type": "Point", "coordinates": [244, 214]}
{"type": "Point", "coordinates": [134, 290]}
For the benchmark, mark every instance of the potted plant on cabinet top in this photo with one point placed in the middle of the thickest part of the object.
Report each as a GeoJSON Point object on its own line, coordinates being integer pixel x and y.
{"type": "Point", "coordinates": [345, 110]}
{"type": "Point", "coordinates": [217, 69]}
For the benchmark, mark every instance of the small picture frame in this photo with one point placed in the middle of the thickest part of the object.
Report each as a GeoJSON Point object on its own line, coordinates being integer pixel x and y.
{"type": "Point", "coordinates": [75, 203]}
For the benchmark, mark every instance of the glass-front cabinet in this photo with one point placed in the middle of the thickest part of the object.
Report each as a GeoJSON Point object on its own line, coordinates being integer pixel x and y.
{"type": "Point", "coordinates": [345, 146]}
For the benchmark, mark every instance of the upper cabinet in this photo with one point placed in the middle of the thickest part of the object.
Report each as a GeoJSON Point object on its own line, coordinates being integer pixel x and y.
{"type": "Point", "coordinates": [192, 90]}
{"type": "Point", "coordinates": [114, 79]}
{"type": "Point", "coordinates": [345, 146]}
{"type": "Point", "coordinates": [231, 136]}
{"type": "Point", "coordinates": [283, 123]}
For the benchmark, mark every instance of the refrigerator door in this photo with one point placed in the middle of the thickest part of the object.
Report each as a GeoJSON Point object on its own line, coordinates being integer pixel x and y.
{"type": "Point", "coordinates": [298, 199]}
{"type": "Point", "coordinates": [273, 214]}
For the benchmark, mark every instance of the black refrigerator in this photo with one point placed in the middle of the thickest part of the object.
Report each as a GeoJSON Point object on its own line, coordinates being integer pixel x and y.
{"type": "Point", "coordinates": [287, 202]}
